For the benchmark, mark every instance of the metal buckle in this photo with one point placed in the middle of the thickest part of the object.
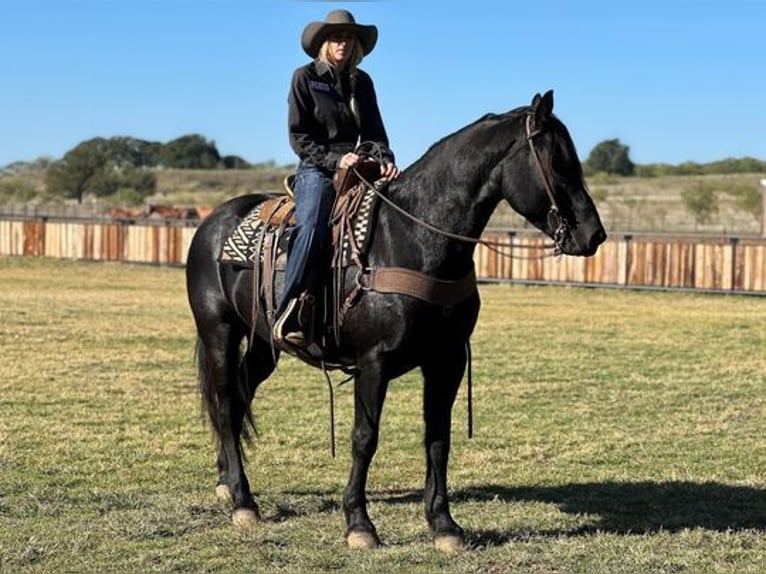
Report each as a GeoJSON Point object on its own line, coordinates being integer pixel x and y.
{"type": "Point", "coordinates": [358, 278]}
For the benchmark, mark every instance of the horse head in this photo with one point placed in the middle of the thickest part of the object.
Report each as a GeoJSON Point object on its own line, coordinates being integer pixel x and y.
{"type": "Point", "coordinates": [542, 180]}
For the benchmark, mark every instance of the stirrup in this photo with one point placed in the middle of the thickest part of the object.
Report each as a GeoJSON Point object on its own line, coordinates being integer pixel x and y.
{"type": "Point", "coordinates": [290, 326]}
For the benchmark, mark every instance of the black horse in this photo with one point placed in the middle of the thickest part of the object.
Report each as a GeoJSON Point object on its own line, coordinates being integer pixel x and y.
{"type": "Point", "coordinates": [524, 156]}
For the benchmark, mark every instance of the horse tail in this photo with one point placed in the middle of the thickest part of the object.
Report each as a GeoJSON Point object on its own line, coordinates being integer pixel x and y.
{"type": "Point", "coordinates": [209, 404]}
{"type": "Point", "coordinates": [246, 384]}
{"type": "Point", "coordinates": [236, 390]}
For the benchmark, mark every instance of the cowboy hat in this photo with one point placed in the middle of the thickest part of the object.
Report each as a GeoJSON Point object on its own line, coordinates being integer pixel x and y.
{"type": "Point", "coordinates": [337, 21]}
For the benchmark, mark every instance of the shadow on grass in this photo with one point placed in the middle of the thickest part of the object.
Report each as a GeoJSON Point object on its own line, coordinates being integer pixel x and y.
{"type": "Point", "coordinates": [611, 507]}
{"type": "Point", "coordinates": [285, 510]}
{"type": "Point", "coordinates": [639, 507]}
{"type": "Point", "coordinates": [619, 507]}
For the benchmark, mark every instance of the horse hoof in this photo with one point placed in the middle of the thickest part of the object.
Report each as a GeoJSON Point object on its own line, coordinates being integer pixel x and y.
{"type": "Point", "coordinates": [363, 540]}
{"type": "Point", "coordinates": [245, 518]}
{"type": "Point", "coordinates": [223, 493]}
{"type": "Point", "coordinates": [449, 543]}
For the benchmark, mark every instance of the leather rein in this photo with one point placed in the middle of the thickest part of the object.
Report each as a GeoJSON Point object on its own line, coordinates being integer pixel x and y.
{"type": "Point", "coordinates": [556, 220]}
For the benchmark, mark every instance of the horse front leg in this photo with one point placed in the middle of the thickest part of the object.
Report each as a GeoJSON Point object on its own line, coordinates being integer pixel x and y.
{"type": "Point", "coordinates": [369, 394]}
{"type": "Point", "coordinates": [442, 379]}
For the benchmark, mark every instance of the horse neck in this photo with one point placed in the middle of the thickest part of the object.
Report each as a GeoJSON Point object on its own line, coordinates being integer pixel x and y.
{"type": "Point", "coordinates": [454, 188]}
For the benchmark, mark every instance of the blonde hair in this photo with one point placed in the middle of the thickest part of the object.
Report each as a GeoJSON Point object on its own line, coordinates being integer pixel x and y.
{"type": "Point", "coordinates": [354, 60]}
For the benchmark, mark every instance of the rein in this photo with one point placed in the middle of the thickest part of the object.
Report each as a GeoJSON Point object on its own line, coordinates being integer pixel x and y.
{"type": "Point", "coordinates": [494, 246]}
{"type": "Point", "coordinates": [557, 221]}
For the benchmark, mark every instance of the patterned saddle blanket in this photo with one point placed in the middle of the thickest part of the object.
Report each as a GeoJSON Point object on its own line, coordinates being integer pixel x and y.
{"type": "Point", "coordinates": [260, 243]}
{"type": "Point", "coordinates": [275, 216]}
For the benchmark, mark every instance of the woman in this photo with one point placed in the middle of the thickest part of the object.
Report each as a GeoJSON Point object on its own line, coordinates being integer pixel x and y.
{"type": "Point", "coordinates": [332, 107]}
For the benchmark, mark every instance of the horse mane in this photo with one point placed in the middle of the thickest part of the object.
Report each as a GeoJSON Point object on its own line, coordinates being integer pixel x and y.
{"type": "Point", "coordinates": [490, 119]}
{"type": "Point", "coordinates": [493, 135]}
{"type": "Point", "coordinates": [553, 156]}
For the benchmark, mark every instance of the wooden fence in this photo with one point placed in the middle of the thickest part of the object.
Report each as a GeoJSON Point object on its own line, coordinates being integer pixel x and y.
{"type": "Point", "coordinates": [646, 261]}
{"type": "Point", "coordinates": [654, 261]}
{"type": "Point", "coordinates": [161, 242]}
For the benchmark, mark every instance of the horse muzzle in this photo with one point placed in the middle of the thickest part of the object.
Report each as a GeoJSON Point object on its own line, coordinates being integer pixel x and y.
{"type": "Point", "coordinates": [582, 242]}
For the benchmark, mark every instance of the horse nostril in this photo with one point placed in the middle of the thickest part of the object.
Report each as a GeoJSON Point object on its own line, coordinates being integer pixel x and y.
{"type": "Point", "coordinates": [598, 238]}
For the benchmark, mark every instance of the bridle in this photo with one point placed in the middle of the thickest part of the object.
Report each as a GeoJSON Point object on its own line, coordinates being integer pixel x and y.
{"type": "Point", "coordinates": [555, 219]}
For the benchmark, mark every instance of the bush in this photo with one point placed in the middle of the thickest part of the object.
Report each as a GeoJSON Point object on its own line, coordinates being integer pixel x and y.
{"type": "Point", "coordinates": [125, 197]}
{"type": "Point", "coordinates": [602, 178]}
{"type": "Point", "coordinates": [17, 191]}
{"type": "Point", "coordinates": [599, 194]}
{"type": "Point", "coordinates": [701, 201]}
{"type": "Point", "coordinates": [747, 198]}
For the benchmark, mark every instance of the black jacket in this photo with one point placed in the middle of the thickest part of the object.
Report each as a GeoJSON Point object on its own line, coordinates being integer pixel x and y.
{"type": "Point", "coordinates": [322, 126]}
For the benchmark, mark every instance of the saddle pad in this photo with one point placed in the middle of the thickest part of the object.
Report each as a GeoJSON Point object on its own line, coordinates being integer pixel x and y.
{"type": "Point", "coordinates": [362, 226]}
{"type": "Point", "coordinates": [240, 247]}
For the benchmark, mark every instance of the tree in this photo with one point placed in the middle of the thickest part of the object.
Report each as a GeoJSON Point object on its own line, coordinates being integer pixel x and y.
{"type": "Point", "coordinates": [191, 151]}
{"type": "Point", "coordinates": [76, 173]}
{"type": "Point", "coordinates": [234, 162]}
{"type": "Point", "coordinates": [128, 151]}
{"type": "Point", "coordinates": [612, 157]}
{"type": "Point", "coordinates": [139, 183]}
{"type": "Point", "coordinates": [93, 168]}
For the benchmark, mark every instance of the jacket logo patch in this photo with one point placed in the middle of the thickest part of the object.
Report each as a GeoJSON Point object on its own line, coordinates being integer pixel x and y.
{"type": "Point", "coordinates": [319, 86]}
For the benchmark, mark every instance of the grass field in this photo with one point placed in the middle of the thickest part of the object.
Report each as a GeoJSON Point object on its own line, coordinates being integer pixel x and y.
{"type": "Point", "coordinates": [615, 432]}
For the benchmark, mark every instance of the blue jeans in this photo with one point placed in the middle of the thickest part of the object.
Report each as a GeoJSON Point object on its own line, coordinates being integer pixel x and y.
{"type": "Point", "coordinates": [314, 198]}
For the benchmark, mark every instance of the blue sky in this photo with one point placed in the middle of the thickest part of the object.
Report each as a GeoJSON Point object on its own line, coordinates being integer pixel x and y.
{"type": "Point", "coordinates": [676, 80]}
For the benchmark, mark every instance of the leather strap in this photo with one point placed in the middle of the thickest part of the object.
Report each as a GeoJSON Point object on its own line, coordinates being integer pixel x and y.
{"type": "Point", "coordinates": [424, 287]}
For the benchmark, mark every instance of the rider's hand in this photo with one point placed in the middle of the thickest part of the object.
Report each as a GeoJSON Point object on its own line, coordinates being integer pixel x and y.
{"type": "Point", "coordinates": [389, 171]}
{"type": "Point", "coordinates": [348, 160]}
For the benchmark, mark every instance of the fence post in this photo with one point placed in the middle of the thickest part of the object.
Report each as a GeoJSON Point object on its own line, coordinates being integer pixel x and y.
{"type": "Point", "coordinates": [763, 208]}
{"type": "Point", "coordinates": [123, 240]}
{"type": "Point", "coordinates": [627, 238]}
{"type": "Point", "coordinates": [734, 241]}
{"type": "Point", "coordinates": [511, 236]}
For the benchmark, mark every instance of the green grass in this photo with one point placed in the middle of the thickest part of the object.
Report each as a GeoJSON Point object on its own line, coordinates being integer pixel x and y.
{"type": "Point", "coordinates": [615, 432]}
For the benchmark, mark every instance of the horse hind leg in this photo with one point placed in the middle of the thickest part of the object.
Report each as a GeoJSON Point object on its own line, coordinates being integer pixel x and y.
{"type": "Point", "coordinates": [227, 386]}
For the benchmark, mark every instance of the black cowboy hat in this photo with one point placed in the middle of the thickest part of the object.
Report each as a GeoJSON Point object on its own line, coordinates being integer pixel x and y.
{"type": "Point", "coordinates": [337, 21]}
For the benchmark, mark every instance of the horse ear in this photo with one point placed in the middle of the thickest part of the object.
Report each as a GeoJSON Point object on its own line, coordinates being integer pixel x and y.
{"type": "Point", "coordinates": [548, 102]}
{"type": "Point", "coordinates": [544, 107]}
